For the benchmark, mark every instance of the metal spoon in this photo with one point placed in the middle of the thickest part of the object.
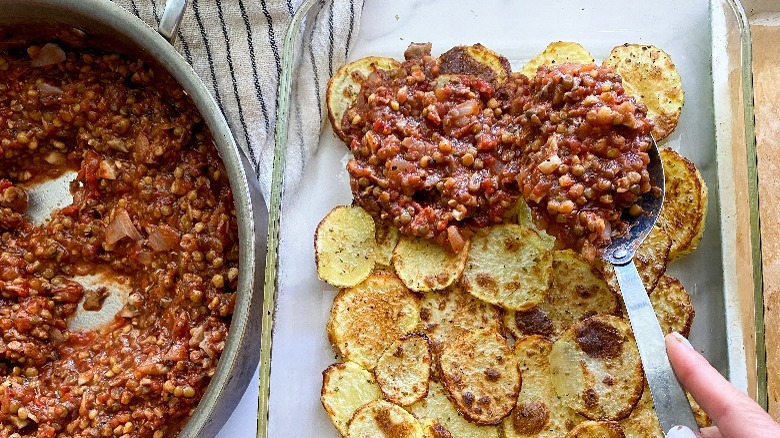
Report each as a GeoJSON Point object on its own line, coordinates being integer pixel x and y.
{"type": "Point", "coordinates": [671, 404]}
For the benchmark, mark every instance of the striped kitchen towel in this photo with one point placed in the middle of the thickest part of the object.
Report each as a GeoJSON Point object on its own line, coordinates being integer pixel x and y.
{"type": "Point", "coordinates": [235, 47]}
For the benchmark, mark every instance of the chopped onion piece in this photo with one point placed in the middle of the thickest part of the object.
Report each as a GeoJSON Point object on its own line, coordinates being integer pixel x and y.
{"type": "Point", "coordinates": [163, 238]}
{"type": "Point", "coordinates": [49, 90]}
{"type": "Point", "coordinates": [145, 257]}
{"type": "Point", "coordinates": [49, 54]}
{"type": "Point", "coordinates": [107, 170]}
{"type": "Point", "coordinates": [55, 158]}
{"type": "Point", "coordinates": [456, 240]}
{"type": "Point", "coordinates": [120, 227]}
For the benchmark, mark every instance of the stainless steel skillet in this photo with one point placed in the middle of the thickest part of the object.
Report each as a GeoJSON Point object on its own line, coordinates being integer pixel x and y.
{"type": "Point", "coordinates": [110, 26]}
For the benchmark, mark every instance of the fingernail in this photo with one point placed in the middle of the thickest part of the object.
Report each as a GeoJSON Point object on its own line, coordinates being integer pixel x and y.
{"type": "Point", "coordinates": [682, 339]}
{"type": "Point", "coordinates": [680, 431]}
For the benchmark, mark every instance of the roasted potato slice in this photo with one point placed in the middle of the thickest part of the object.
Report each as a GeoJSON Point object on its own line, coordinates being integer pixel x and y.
{"type": "Point", "coordinates": [423, 265]}
{"type": "Point", "coordinates": [557, 53]}
{"type": "Point", "coordinates": [437, 406]}
{"type": "Point", "coordinates": [651, 259]}
{"type": "Point", "coordinates": [649, 75]}
{"type": "Point", "coordinates": [523, 216]}
{"type": "Point", "coordinates": [381, 419]}
{"type": "Point", "coordinates": [346, 387]}
{"type": "Point", "coordinates": [596, 429]}
{"type": "Point", "coordinates": [404, 369]}
{"type": "Point", "coordinates": [367, 318]}
{"type": "Point", "coordinates": [386, 240]}
{"type": "Point", "coordinates": [344, 86]}
{"type": "Point", "coordinates": [480, 373]}
{"type": "Point", "coordinates": [577, 292]}
{"type": "Point", "coordinates": [672, 306]}
{"type": "Point", "coordinates": [596, 368]}
{"type": "Point", "coordinates": [448, 315]}
{"type": "Point", "coordinates": [520, 214]}
{"type": "Point", "coordinates": [434, 429]}
{"type": "Point", "coordinates": [476, 60]}
{"type": "Point", "coordinates": [643, 421]}
{"type": "Point", "coordinates": [508, 265]}
{"type": "Point", "coordinates": [702, 419]}
{"type": "Point", "coordinates": [538, 412]}
{"type": "Point", "coordinates": [685, 204]}
{"type": "Point", "coordinates": [344, 246]}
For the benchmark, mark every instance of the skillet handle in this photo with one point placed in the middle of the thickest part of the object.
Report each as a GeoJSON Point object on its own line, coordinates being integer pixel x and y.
{"type": "Point", "coordinates": [171, 19]}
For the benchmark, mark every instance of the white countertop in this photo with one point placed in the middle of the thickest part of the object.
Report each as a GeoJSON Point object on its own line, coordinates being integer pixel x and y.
{"type": "Point", "coordinates": [243, 421]}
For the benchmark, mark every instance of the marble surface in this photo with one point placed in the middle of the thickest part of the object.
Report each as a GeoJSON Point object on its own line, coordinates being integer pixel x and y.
{"type": "Point", "coordinates": [243, 422]}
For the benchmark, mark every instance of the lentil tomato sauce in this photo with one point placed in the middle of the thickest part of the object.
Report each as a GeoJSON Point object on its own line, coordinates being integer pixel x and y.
{"type": "Point", "coordinates": [439, 155]}
{"type": "Point", "coordinates": [152, 207]}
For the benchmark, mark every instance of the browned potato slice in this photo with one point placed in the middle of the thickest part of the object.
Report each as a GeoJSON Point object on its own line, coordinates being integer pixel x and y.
{"type": "Point", "coordinates": [344, 246]}
{"type": "Point", "coordinates": [476, 60]}
{"type": "Point", "coordinates": [643, 421]}
{"type": "Point", "coordinates": [524, 215]}
{"type": "Point", "coordinates": [480, 373]}
{"type": "Point", "coordinates": [685, 203]}
{"type": "Point", "coordinates": [557, 53]}
{"type": "Point", "coordinates": [386, 240]}
{"type": "Point", "coordinates": [344, 86]}
{"type": "Point", "coordinates": [448, 315]}
{"type": "Point", "coordinates": [520, 214]}
{"type": "Point", "coordinates": [404, 368]}
{"type": "Point", "coordinates": [651, 259]}
{"type": "Point", "coordinates": [578, 291]}
{"type": "Point", "coordinates": [434, 429]}
{"type": "Point", "coordinates": [346, 387]}
{"type": "Point", "coordinates": [538, 412]}
{"type": "Point", "coordinates": [423, 265]}
{"type": "Point", "coordinates": [367, 318]}
{"type": "Point", "coordinates": [596, 368]}
{"type": "Point", "coordinates": [381, 419]}
{"type": "Point", "coordinates": [702, 419]}
{"type": "Point", "coordinates": [672, 306]}
{"type": "Point", "coordinates": [437, 406]}
{"type": "Point", "coordinates": [596, 429]}
{"type": "Point", "coordinates": [649, 75]}
{"type": "Point", "coordinates": [508, 265]}
{"type": "Point", "coordinates": [525, 218]}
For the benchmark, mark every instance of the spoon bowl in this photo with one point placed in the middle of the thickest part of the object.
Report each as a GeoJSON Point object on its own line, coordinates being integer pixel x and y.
{"type": "Point", "coordinates": [622, 248]}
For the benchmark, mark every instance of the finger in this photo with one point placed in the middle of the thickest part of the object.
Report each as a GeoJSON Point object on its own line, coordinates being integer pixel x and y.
{"type": "Point", "coordinates": [684, 432]}
{"type": "Point", "coordinates": [680, 432]}
{"type": "Point", "coordinates": [710, 432]}
{"type": "Point", "coordinates": [714, 393]}
{"type": "Point", "coordinates": [736, 414]}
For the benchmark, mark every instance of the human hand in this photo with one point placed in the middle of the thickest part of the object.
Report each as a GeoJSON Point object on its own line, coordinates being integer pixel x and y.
{"type": "Point", "coordinates": [735, 414]}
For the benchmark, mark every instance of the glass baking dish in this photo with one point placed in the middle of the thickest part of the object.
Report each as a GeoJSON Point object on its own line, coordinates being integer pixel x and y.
{"type": "Point", "coordinates": [709, 45]}
{"type": "Point", "coordinates": [764, 19]}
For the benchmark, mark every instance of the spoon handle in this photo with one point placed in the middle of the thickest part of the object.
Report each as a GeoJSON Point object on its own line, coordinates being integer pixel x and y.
{"type": "Point", "coordinates": [671, 404]}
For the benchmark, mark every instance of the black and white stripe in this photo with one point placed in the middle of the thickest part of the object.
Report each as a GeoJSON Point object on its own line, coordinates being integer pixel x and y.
{"type": "Point", "coordinates": [229, 56]}
{"type": "Point", "coordinates": [330, 38]}
{"type": "Point", "coordinates": [236, 48]}
{"type": "Point", "coordinates": [207, 46]}
{"type": "Point", "coordinates": [253, 59]}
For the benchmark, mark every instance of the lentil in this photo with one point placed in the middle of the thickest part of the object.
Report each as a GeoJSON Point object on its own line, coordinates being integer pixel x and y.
{"type": "Point", "coordinates": [132, 134]}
